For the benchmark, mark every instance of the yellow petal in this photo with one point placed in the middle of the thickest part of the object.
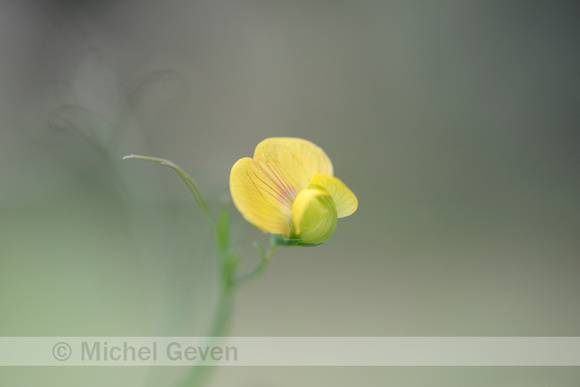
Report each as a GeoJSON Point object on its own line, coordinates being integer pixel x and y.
{"type": "Point", "coordinates": [314, 215]}
{"type": "Point", "coordinates": [291, 162]}
{"type": "Point", "coordinates": [345, 201]}
{"type": "Point", "coordinates": [259, 199]}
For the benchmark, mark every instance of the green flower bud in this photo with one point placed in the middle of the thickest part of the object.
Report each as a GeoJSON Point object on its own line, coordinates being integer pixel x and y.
{"type": "Point", "coordinates": [314, 216]}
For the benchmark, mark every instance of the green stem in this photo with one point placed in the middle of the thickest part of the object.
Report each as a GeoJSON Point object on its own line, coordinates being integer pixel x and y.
{"type": "Point", "coordinates": [188, 181]}
{"type": "Point", "coordinates": [220, 326]}
{"type": "Point", "coordinates": [223, 316]}
{"type": "Point", "coordinates": [228, 264]}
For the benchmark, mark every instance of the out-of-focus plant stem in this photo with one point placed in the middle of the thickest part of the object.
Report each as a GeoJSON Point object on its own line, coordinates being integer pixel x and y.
{"type": "Point", "coordinates": [228, 265]}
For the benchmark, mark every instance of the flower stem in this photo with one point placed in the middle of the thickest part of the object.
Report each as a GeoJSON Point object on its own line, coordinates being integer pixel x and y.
{"type": "Point", "coordinates": [228, 264]}
{"type": "Point", "coordinates": [198, 375]}
{"type": "Point", "coordinates": [266, 257]}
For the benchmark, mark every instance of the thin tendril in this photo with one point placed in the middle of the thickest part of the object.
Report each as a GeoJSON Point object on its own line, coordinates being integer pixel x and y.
{"type": "Point", "coordinates": [188, 181]}
{"type": "Point", "coordinates": [266, 257]}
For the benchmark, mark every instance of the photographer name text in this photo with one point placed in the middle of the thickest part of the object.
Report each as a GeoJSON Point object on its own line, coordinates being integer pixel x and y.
{"type": "Point", "coordinates": [104, 351]}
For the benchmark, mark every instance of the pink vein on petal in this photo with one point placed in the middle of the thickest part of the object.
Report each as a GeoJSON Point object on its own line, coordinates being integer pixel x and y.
{"type": "Point", "coordinates": [275, 194]}
{"type": "Point", "coordinates": [287, 196]}
{"type": "Point", "coordinates": [281, 181]}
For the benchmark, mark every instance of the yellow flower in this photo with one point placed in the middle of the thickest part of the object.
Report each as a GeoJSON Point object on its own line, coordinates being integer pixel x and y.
{"type": "Point", "coordinates": [288, 189]}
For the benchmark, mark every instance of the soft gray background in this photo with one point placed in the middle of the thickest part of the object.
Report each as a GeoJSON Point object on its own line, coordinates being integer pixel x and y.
{"type": "Point", "coordinates": [455, 123]}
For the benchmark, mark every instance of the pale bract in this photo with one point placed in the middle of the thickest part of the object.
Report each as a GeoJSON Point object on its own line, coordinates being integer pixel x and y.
{"type": "Point", "coordinates": [288, 189]}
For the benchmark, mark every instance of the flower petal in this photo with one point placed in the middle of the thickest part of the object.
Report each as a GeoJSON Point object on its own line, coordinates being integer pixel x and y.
{"type": "Point", "coordinates": [291, 162]}
{"type": "Point", "coordinates": [314, 215]}
{"type": "Point", "coordinates": [345, 201]}
{"type": "Point", "coordinates": [260, 200]}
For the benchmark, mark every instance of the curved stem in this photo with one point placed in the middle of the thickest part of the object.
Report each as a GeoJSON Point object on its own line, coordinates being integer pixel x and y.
{"type": "Point", "coordinates": [266, 257]}
{"type": "Point", "coordinates": [188, 181]}
{"type": "Point", "coordinates": [228, 264]}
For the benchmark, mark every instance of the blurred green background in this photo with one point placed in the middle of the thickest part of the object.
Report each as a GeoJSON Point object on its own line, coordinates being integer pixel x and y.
{"type": "Point", "coordinates": [455, 123]}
